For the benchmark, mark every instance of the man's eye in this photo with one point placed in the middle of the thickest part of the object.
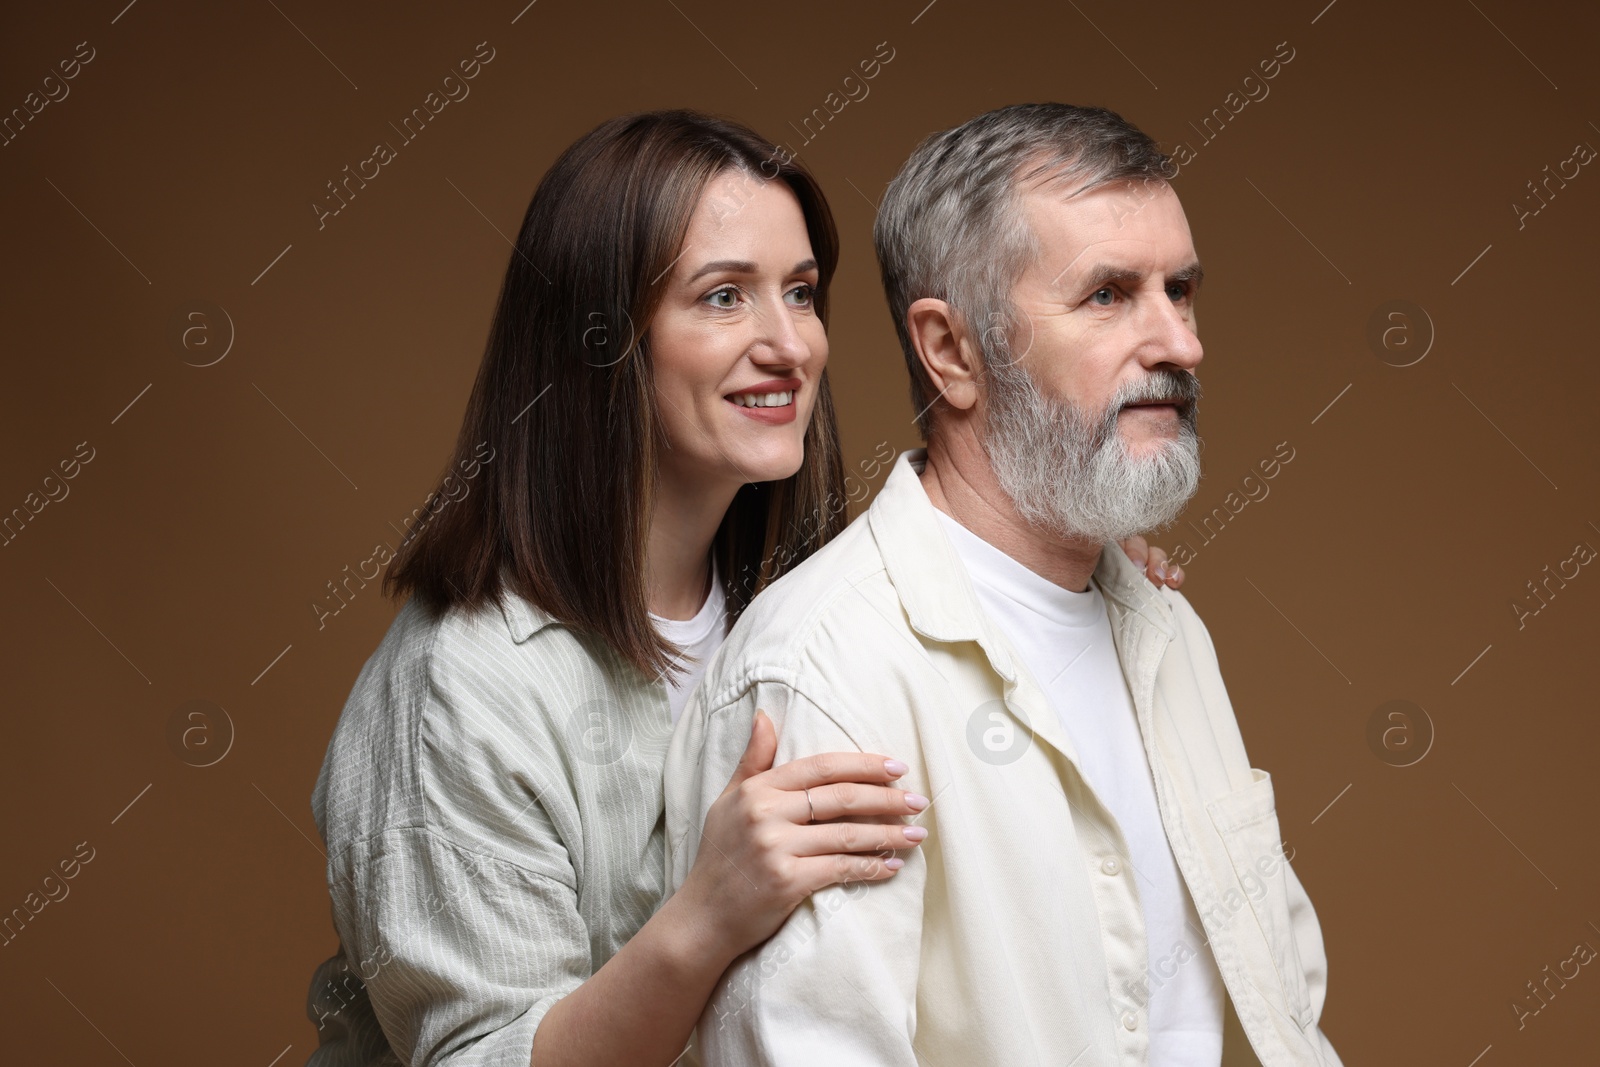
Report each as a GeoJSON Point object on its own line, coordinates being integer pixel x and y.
{"type": "Point", "coordinates": [1178, 290]}
{"type": "Point", "coordinates": [716, 298]}
{"type": "Point", "coordinates": [1098, 292]}
{"type": "Point", "coordinates": [803, 295]}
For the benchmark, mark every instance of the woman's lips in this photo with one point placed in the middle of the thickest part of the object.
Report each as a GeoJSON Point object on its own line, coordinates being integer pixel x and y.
{"type": "Point", "coordinates": [772, 402]}
{"type": "Point", "coordinates": [775, 415]}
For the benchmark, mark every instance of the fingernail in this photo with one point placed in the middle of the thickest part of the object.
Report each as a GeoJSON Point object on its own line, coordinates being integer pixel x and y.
{"type": "Point", "coordinates": [916, 833]}
{"type": "Point", "coordinates": [1137, 562]}
{"type": "Point", "coordinates": [894, 864]}
{"type": "Point", "coordinates": [1161, 571]}
{"type": "Point", "coordinates": [895, 767]}
{"type": "Point", "coordinates": [916, 801]}
{"type": "Point", "coordinates": [1177, 574]}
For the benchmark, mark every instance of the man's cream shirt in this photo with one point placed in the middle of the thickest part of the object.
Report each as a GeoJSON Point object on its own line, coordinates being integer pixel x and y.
{"type": "Point", "coordinates": [1013, 935]}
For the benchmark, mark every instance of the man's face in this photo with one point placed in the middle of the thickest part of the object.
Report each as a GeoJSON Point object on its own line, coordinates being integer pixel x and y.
{"type": "Point", "coordinates": [1090, 407]}
{"type": "Point", "coordinates": [1110, 299]}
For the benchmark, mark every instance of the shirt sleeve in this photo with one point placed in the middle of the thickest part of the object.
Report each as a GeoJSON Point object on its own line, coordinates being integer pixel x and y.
{"type": "Point", "coordinates": [837, 983]}
{"type": "Point", "coordinates": [461, 953]}
{"type": "Point", "coordinates": [458, 909]}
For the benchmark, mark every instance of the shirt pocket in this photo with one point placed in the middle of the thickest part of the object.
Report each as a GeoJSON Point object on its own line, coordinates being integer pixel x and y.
{"type": "Point", "coordinates": [1247, 820]}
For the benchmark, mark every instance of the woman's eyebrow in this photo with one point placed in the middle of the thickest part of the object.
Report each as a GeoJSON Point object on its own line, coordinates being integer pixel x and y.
{"type": "Point", "coordinates": [732, 266]}
{"type": "Point", "coordinates": [744, 266]}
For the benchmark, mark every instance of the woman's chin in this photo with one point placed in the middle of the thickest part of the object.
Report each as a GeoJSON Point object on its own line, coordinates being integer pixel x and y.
{"type": "Point", "coordinates": [773, 468]}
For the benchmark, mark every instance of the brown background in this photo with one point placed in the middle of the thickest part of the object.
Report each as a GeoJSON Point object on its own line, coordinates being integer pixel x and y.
{"type": "Point", "coordinates": [1383, 565]}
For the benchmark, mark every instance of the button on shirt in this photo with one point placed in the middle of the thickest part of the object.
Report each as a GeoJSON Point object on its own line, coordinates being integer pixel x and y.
{"type": "Point", "coordinates": [1002, 939]}
{"type": "Point", "coordinates": [1064, 639]}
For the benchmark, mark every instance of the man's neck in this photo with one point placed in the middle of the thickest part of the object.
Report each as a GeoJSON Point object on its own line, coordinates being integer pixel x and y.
{"type": "Point", "coordinates": [960, 482]}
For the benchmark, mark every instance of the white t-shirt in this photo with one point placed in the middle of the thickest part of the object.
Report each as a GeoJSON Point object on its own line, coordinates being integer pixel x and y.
{"type": "Point", "coordinates": [699, 637]}
{"type": "Point", "coordinates": [1065, 640]}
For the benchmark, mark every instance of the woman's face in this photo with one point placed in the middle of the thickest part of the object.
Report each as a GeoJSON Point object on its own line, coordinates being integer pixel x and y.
{"type": "Point", "coordinates": [737, 347]}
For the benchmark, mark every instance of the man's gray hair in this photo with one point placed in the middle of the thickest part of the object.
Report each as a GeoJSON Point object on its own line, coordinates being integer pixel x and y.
{"type": "Point", "coordinates": [951, 225]}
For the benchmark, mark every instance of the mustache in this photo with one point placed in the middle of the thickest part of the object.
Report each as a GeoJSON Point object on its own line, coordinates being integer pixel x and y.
{"type": "Point", "coordinates": [1177, 387]}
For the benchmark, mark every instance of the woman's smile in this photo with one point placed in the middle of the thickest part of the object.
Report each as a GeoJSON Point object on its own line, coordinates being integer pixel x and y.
{"type": "Point", "coordinates": [771, 402]}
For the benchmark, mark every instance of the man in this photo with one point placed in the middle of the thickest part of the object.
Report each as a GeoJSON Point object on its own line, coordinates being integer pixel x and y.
{"type": "Point", "coordinates": [1103, 881]}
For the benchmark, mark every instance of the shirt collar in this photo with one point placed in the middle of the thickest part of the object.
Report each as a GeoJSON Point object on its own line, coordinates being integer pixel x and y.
{"type": "Point", "coordinates": [523, 617]}
{"type": "Point", "coordinates": [1008, 581]}
{"type": "Point", "coordinates": [933, 585]}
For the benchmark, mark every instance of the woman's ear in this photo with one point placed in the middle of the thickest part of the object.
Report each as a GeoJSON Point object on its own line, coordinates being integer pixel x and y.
{"type": "Point", "coordinates": [948, 355]}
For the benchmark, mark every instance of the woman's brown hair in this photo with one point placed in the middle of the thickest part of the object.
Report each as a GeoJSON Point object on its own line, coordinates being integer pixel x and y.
{"type": "Point", "coordinates": [560, 511]}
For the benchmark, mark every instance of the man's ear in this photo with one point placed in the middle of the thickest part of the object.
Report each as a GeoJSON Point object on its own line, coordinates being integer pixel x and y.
{"type": "Point", "coordinates": [947, 353]}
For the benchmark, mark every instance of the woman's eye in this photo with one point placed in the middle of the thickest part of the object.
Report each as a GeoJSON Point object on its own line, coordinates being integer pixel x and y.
{"type": "Point", "coordinates": [716, 298]}
{"type": "Point", "coordinates": [1097, 293]}
{"type": "Point", "coordinates": [802, 295]}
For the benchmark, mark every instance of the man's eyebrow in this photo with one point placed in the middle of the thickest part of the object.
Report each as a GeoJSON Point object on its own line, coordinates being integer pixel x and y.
{"type": "Point", "coordinates": [1102, 274]}
{"type": "Point", "coordinates": [744, 266]}
{"type": "Point", "coordinates": [1193, 273]}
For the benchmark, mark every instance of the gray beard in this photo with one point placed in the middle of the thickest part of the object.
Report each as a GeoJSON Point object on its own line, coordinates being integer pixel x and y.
{"type": "Point", "coordinates": [1069, 472]}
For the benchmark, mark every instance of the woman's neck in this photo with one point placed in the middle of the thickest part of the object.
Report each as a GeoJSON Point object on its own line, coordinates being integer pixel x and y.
{"type": "Point", "coordinates": [683, 523]}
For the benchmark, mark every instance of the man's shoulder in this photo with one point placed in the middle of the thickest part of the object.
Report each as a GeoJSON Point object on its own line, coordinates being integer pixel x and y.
{"type": "Point", "coordinates": [829, 595]}
{"type": "Point", "coordinates": [786, 611]}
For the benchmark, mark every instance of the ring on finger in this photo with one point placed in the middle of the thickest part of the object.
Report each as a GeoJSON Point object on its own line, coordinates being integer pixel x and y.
{"type": "Point", "coordinates": [812, 810]}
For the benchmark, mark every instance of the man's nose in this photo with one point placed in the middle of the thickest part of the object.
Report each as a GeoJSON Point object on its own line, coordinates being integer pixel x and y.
{"type": "Point", "coordinates": [1172, 338]}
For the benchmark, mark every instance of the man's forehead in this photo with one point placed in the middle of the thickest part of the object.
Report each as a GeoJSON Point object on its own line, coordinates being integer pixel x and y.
{"type": "Point", "coordinates": [1118, 229]}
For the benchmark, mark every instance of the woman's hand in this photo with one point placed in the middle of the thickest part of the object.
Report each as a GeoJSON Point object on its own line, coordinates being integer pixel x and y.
{"type": "Point", "coordinates": [1153, 561]}
{"type": "Point", "coordinates": [760, 855]}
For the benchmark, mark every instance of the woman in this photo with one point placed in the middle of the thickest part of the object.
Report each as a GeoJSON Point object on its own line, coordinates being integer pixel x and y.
{"type": "Point", "coordinates": [649, 442]}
